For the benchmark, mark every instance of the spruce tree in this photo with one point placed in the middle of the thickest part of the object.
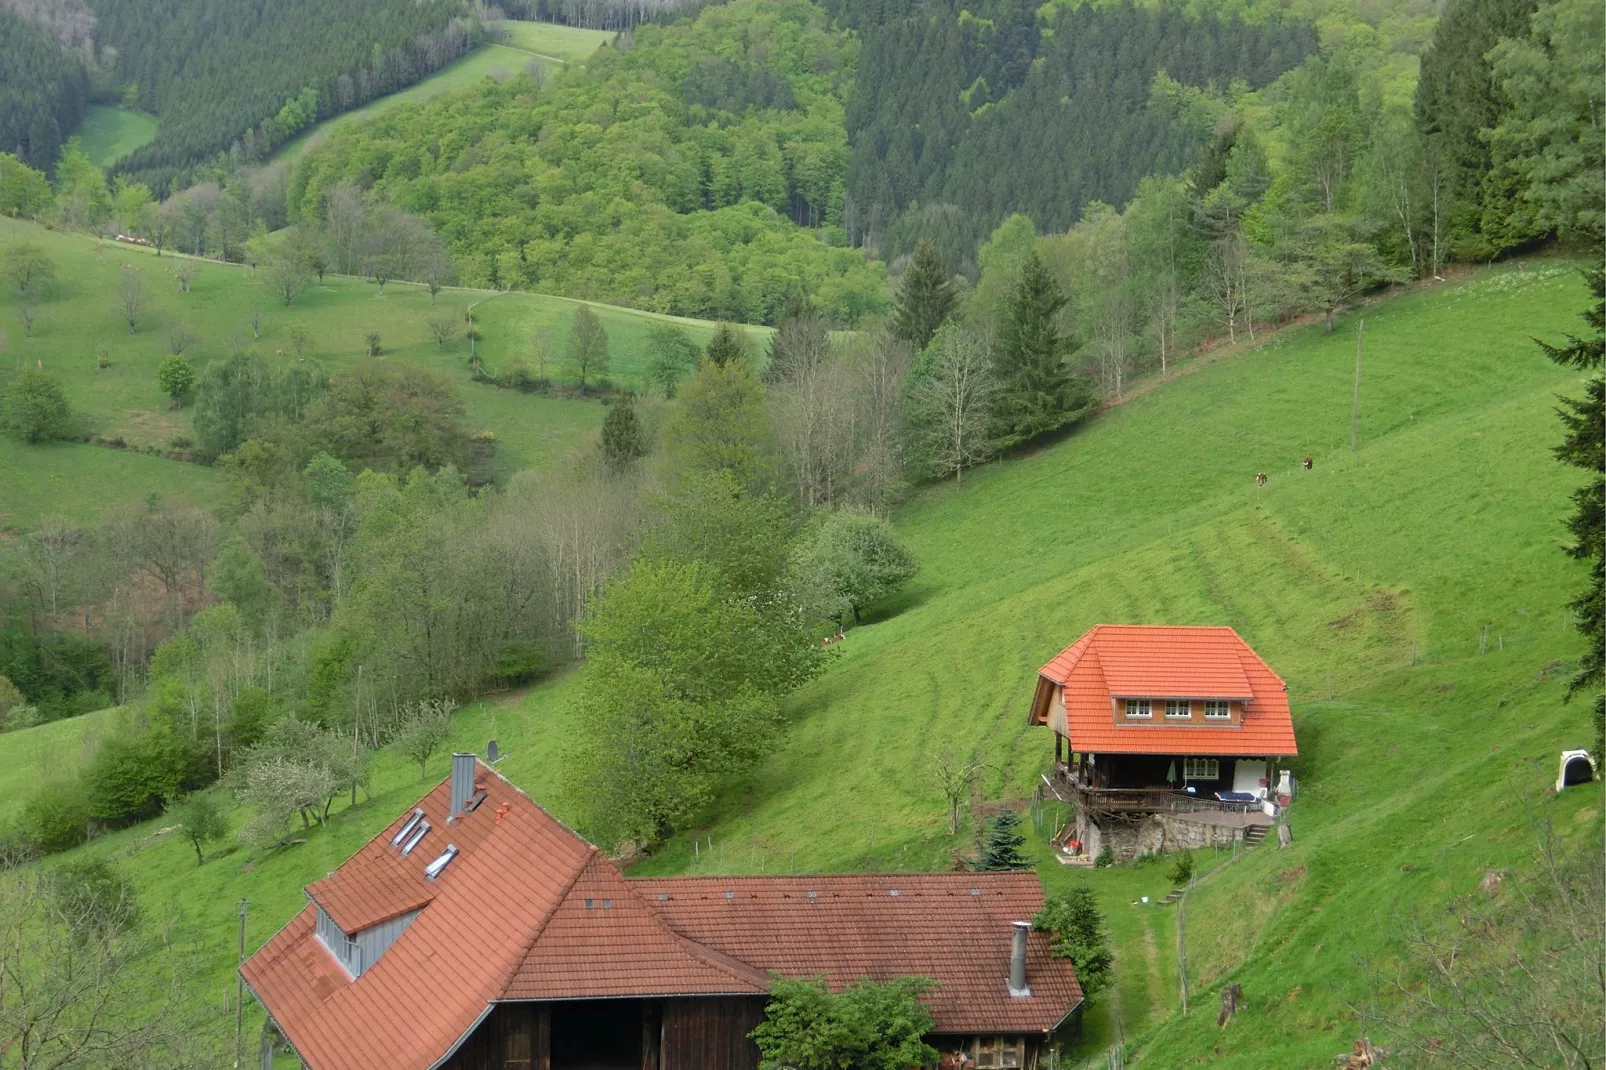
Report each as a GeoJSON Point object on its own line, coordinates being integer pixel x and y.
{"type": "Point", "coordinates": [1036, 392]}
{"type": "Point", "coordinates": [925, 296]}
{"type": "Point", "coordinates": [728, 346]}
{"type": "Point", "coordinates": [1001, 850]}
{"type": "Point", "coordinates": [623, 442]}
{"type": "Point", "coordinates": [1585, 447]}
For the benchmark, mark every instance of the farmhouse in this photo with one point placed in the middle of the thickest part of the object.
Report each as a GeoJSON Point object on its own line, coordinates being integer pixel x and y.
{"type": "Point", "coordinates": [1165, 738]}
{"type": "Point", "coordinates": [479, 933]}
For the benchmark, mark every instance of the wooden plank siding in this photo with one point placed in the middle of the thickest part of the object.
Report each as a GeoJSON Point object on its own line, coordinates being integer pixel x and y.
{"type": "Point", "coordinates": [677, 1034]}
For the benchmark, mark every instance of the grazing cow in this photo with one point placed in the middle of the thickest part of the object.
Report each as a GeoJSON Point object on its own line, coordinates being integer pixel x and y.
{"type": "Point", "coordinates": [1260, 479]}
{"type": "Point", "coordinates": [1307, 463]}
{"type": "Point", "coordinates": [278, 352]}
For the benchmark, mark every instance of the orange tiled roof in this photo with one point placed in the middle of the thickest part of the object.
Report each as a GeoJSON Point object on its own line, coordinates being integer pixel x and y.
{"type": "Point", "coordinates": [1164, 661]}
{"type": "Point", "coordinates": [953, 928]}
{"type": "Point", "coordinates": [529, 910]}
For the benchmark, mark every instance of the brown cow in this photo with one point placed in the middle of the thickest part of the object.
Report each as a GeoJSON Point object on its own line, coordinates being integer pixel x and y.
{"type": "Point", "coordinates": [1260, 479]}
{"type": "Point", "coordinates": [1306, 462]}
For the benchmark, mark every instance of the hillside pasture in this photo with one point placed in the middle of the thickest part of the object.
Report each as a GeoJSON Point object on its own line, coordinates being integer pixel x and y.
{"type": "Point", "coordinates": [111, 133]}
{"type": "Point", "coordinates": [1411, 593]}
{"type": "Point", "coordinates": [46, 752]}
{"type": "Point", "coordinates": [122, 400]}
{"type": "Point", "coordinates": [547, 45]}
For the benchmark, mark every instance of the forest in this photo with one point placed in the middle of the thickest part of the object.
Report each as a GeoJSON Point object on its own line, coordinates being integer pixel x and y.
{"type": "Point", "coordinates": [958, 120]}
{"type": "Point", "coordinates": [44, 92]}
{"type": "Point", "coordinates": [697, 169]}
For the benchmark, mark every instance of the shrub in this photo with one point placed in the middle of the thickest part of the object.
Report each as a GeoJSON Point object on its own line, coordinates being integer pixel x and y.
{"type": "Point", "coordinates": [176, 377]}
{"type": "Point", "coordinates": [1106, 857]}
{"type": "Point", "coordinates": [1181, 870]}
{"type": "Point", "coordinates": [35, 407]}
{"type": "Point", "coordinates": [134, 775]}
{"type": "Point", "coordinates": [93, 898]}
{"type": "Point", "coordinates": [57, 817]}
{"type": "Point", "coordinates": [1002, 848]}
{"type": "Point", "coordinates": [869, 1025]}
{"type": "Point", "coordinates": [1077, 925]}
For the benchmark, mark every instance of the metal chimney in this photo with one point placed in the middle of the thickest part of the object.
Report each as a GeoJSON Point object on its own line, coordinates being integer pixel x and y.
{"type": "Point", "coordinates": [462, 782]}
{"type": "Point", "coordinates": [1017, 959]}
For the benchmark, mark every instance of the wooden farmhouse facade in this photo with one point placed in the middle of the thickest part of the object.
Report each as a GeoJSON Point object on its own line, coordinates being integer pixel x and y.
{"type": "Point", "coordinates": [1165, 737]}
{"type": "Point", "coordinates": [479, 933]}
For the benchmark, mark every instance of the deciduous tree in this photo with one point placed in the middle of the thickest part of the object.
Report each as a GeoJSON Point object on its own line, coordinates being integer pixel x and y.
{"type": "Point", "coordinates": [35, 407]}
{"type": "Point", "coordinates": [176, 376]}
{"type": "Point", "coordinates": [587, 352]}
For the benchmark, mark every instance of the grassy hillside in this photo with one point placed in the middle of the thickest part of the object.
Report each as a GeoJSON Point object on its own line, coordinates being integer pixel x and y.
{"type": "Point", "coordinates": [1366, 583]}
{"type": "Point", "coordinates": [541, 42]}
{"type": "Point", "coordinates": [109, 133]}
{"type": "Point", "coordinates": [123, 400]}
{"type": "Point", "coordinates": [42, 753]}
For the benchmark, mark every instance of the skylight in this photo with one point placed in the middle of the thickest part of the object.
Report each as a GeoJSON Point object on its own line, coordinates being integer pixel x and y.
{"type": "Point", "coordinates": [418, 834]}
{"type": "Point", "coordinates": [435, 868]}
{"type": "Point", "coordinates": [412, 823]}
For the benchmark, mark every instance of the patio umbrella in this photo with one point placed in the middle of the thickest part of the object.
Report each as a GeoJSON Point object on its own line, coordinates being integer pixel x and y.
{"type": "Point", "coordinates": [1171, 772]}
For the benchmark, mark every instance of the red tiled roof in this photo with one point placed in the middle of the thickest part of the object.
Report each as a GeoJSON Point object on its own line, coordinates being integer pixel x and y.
{"type": "Point", "coordinates": [529, 910]}
{"type": "Point", "coordinates": [1114, 660]}
{"type": "Point", "coordinates": [603, 940]}
{"type": "Point", "coordinates": [953, 928]}
{"type": "Point", "coordinates": [441, 974]}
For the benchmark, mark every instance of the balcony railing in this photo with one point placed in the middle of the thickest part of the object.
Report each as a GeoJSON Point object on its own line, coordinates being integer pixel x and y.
{"type": "Point", "coordinates": [1142, 800]}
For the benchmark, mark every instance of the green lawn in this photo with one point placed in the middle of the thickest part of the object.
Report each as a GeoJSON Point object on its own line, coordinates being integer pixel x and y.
{"type": "Point", "coordinates": [112, 133]}
{"type": "Point", "coordinates": [566, 43]}
{"type": "Point", "coordinates": [1365, 582]}
{"type": "Point", "coordinates": [45, 752]}
{"type": "Point", "coordinates": [122, 400]}
{"type": "Point", "coordinates": [545, 44]}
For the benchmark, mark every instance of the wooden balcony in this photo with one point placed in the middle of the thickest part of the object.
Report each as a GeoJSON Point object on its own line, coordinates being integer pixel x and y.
{"type": "Point", "coordinates": [1146, 800]}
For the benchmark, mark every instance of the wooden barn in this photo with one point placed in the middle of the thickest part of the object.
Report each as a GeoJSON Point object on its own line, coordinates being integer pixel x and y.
{"type": "Point", "coordinates": [1165, 737]}
{"type": "Point", "coordinates": [479, 933]}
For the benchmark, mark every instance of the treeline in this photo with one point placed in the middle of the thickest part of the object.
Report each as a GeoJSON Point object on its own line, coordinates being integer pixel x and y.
{"type": "Point", "coordinates": [44, 92]}
{"type": "Point", "coordinates": [958, 119]}
{"type": "Point", "coordinates": [671, 176]}
{"type": "Point", "coordinates": [220, 76]}
{"type": "Point", "coordinates": [600, 14]}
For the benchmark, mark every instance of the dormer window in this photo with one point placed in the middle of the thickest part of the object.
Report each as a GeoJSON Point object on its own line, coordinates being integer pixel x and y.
{"type": "Point", "coordinates": [1218, 710]}
{"type": "Point", "coordinates": [1178, 709]}
{"type": "Point", "coordinates": [1139, 709]}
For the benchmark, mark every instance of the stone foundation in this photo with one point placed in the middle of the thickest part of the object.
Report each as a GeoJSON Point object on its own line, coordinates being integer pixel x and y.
{"type": "Point", "coordinates": [1144, 834]}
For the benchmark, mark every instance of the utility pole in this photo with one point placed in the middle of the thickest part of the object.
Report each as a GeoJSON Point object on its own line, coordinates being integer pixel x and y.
{"type": "Point", "coordinates": [356, 733]}
{"type": "Point", "coordinates": [239, 990]}
{"type": "Point", "coordinates": [1355, 403]}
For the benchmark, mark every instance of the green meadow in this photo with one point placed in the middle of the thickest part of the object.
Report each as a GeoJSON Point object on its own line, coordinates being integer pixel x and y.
{"type": "Point", "coordinates": [111, 133]}
{"type": "Point", "coordinates": [546, 44]}
{"type": "Point", "coordinates": [123, 401]}
{"type": "Point", "coordinates": [1410, 593]}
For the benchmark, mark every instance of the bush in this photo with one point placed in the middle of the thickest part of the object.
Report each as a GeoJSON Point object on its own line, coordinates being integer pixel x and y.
{"type": "Point", "coordinates": [1106, 857]}
{"type": "Point", "coordinates": [869, 1025]}
{"type": "Point", "coordinates": [93, 898]}
{"type": "Point", "coordinates": [57, 817]}
{"type": "Point", "coordinates": [35, 408]}
{"type": "Point", "coordinates": [1181, 870]}
{"type": "Point", "coordinates": [133, 776]}
{"type": "Point", "coordinates": [1077, 926]}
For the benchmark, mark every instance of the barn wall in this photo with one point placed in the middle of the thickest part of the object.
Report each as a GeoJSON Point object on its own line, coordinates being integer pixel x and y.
{"type": "Point", "coordinates": [710, 1034]}
{"type": "Point", "coordinates": [514, 1036]}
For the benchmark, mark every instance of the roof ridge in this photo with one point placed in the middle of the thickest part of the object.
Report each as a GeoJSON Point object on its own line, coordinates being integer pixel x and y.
{"type": "Point", "coordinates": [563, 894]}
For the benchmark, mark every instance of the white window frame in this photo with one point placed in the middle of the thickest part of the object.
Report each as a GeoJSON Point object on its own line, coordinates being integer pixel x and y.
{"type": "Point", "coordinates": [1201, 769]}
{"type": "Point", "coordinates": [1218, 710]}
{"type": "Point", "coordinates": [1187, 709]}
{"type": "Point", "coordinates": [1139, 709]}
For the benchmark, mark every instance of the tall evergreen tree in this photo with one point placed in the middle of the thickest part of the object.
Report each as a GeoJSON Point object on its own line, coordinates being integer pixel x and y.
{"type": "Point", "coordinates": [1001, 850]}
{"type": "Point", "coordinates": [925, 296]}
{"type": "Point", "coordinates": [1457, 100]}
{"type": "Point", "coordinates": [728, 346]}
{"type": "Point", "coordinates": [1036, 392]}
{"type": "Point", "coordinates": [1585, 447]}
{"type": "Point", "coordinates": [623, 441]}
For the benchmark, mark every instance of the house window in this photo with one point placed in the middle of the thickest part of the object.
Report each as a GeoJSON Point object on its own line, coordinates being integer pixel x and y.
{"type": "Point", "coordinates": [1138, 707]}
{"type": "Point", "coordinates": [1217, 710]}
{"type": "Point", "coordinates": [998, 1051]}
{"type": "Point", "coordinates": [1178, 709]}
{"type": "Point", "coordinates": [1201, 769]}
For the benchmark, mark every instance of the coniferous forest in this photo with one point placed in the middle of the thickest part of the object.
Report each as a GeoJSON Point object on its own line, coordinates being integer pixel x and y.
{"type": "Point", "coordinates": [44, 92]}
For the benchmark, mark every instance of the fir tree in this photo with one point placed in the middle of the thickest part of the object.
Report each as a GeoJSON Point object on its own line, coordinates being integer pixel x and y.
{"type": "Point", "coordinates": [1585, 447]}
{"type": "Point", "coordinates": [623, 442]}
{"type": "Point", "coordinates": [1001, 850]}
{"type": "Point", "coordinates": [728, 346]}
{"type": "Point", "coordinates": [925, 296]}
{"type": "Point", "coordinates": [1036, 393]}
